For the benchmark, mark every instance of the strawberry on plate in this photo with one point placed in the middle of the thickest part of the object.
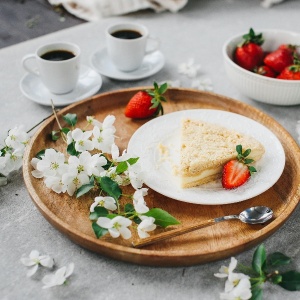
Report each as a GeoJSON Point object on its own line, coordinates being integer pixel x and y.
{"type": "Point", "coordinates": [280, 58]}
{"type": "Point", "coordinates": [145, 104]}
{"type": "Point", "coordinates": [249, 53]}
{"type": "Point", "coordinates": [236, 172]}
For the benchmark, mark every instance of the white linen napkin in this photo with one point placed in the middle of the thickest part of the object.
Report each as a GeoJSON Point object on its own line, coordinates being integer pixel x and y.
{"type": "Point", "coordinates": [94, 10]}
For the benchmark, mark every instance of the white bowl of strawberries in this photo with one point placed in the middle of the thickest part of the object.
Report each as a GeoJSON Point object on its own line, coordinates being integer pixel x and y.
{"type": "Point", "coordinates": [265, 65]}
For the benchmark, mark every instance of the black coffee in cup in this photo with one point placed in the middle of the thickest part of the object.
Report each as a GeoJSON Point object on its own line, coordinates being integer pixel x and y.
{"type": "Point", "coordinates": [126, 34]}
{"type": "Point", "coordinates": [58, 55]}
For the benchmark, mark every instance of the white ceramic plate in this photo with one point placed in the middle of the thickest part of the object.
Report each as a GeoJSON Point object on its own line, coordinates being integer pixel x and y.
{"type": "Point", "coordinates": [89, 83]}
{"type": "Point", "coordinates": [165, 131]}
{"type": "Point", "coordinates": [151, 64]}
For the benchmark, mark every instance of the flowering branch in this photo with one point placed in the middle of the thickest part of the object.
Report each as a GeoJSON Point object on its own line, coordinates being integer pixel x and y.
{"type": "Point", "coordinates": [264, 269]}
{"type": "Point", "coordinates": [94, 163]}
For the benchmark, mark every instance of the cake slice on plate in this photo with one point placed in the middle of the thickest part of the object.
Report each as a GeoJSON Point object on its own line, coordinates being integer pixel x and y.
{"type": "Point", "coordinates": [205, 149]}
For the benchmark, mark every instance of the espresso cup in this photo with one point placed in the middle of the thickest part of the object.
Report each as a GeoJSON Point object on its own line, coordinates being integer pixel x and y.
{"type": "Point", "coordinates": [56, 64]}
{"type": "Point", "coordinates": [127, 45]}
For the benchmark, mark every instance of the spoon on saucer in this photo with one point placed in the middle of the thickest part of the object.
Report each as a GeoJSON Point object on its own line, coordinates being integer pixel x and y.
{"type": "Point", "coordinates": [252, 215]}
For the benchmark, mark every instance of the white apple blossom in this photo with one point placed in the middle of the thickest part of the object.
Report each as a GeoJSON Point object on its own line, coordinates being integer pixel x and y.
{"type": "Point", "coordinates": [91, 120]}
{"type": "Point", "coordinates": [36, 173]}
{"type": "Point", "coordinates": [103, 134]}
{"type": "Point", "coordinates": [72, 181]}
{"type": "Point", "coordinates": [81, 139]}
{"type": "Point", "coordinates": [17, 138]}
{"type": "Point", "coordinates": [135, 175]}
{"type": "Point", "coordinates": [107, 202]}
{"type": "Point", "coordinates": [34, 260]}
{"type": "Point", "coordinates": [116, 226]}
{"type": "Point", "coordinates": [52, 163]}
{"type": "Point", "coordinates": [145, 226]}
{"type": "Point", "coordinates": [204, 84]}
{"type": "Point", "coordinates": [96, 163]}
{"type": "Point", "coordinates": [189, 68]}
{"type": "Point", "coordinates": [115, 153]}
{"type": "Point", "coordinates": [55, 183]}
{"type": "Point", "coordinates": [102, 140]}
{"type": "Point", "coordinates": [113, 175]}
{"type": "Point", "coordinates": [225, 271]}
{"type": "Point", "coordinates": [11, 161]}
{"type": "Point", "coordinates": [59, 277]}
{"type": "Point", "coordinates": [242, 291]}
{"type": "Point", "coordinates": [233, 280]}
{"type": "Point", "coordinates": [81, 163]}
{"type": "Point", "coordinates": [139, 203]}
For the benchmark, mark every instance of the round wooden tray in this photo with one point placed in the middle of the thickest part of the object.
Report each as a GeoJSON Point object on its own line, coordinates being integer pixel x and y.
{"type": "Point", "coordinates": [71, 216]}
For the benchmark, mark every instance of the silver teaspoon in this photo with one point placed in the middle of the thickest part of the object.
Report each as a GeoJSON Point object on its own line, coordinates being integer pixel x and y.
{"type": "Point", "coordinates": [252, 215]}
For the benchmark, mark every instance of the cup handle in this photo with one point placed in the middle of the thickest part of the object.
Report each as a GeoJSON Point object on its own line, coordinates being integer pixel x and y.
{"type": "Point", "coordinates": [26, 66]}
{"type": "Point", "coordinates": [155, 43]}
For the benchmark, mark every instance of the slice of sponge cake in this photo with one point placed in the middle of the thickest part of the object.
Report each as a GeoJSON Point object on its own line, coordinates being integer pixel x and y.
{"type": "Point", "coordinates": [206, 147]}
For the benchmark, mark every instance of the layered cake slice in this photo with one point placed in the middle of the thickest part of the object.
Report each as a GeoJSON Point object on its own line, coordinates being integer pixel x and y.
{"type": "Point", "coordinates": [206, 147]}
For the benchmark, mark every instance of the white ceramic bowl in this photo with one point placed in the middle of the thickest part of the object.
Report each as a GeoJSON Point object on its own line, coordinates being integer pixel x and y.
{"type": "Point", "coordinates": [258, 87]}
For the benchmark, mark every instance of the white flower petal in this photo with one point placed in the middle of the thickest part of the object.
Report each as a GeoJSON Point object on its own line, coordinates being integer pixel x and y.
{"type": "Point", "coordinates": [32, 270]}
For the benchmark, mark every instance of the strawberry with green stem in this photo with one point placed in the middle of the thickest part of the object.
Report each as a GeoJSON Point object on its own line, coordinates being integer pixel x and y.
{"type": "Point", "coordinates": [291, 72]}
{"type": "Point", "coordinates": [147, 103]}
{"type": "Point", "coordinates": [237, 171]}
{"type": "Point", "coordinates": [249, 53]}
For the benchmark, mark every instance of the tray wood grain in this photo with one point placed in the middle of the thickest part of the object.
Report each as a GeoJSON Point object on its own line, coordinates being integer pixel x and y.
{"type": "Point", "coordinates": [70, 215]}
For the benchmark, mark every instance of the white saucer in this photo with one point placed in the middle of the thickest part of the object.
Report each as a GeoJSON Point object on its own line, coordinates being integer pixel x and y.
{"type": "Point", "coordinates": [151, 64]}
{"type": "Point", "coordinates": [89, 84]}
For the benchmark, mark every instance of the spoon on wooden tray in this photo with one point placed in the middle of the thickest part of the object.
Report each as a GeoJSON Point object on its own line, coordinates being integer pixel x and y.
{"type": "Point", "coordinates": [252, 215]}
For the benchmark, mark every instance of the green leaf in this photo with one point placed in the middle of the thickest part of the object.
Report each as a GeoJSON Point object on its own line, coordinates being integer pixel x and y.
{"type": "Point", "coordinates": [277, 259]}
{"type": "Point", "coordinates": [163, 88]}
{"type": "Point", "coordinates": [65, 130]}
{"type": "Point", "coordinates": [290, 281]}
{"type": "Point", "coordinates": [40, 154]}
{"type": "Point", "coordinates": [121, 167]}
{"type": "Point", "coordinates": [132, 160]}
{"type": "Point", "coordinates": [99, 231]}
{"type": "Point", "coordinates": [129, 208]}
{"type": "Point", "coordinates": [71, 149]}
{"type": "Point", "coordinates": [257, 293]}
{"type": "Point", "coordinates": [55, 135]}
{"type": "Point", "coordinates": [99, 211]}
{"type": "Point", "coordinates": [238, 149]}
{"type": "Point", "coordinates": [247, 152]}
{"type": "Point", "coordinates": [162, 218]}
{"type": "Point", "coordinates": [259, 259]}
{"type": "Point", "coordinates": [84, 189]}
{"type": "Point", "coordinates": [110, 187]}
{"type": "Point", "coordinates": [248, 161]}
{"type": "Point", "coordinates": [71, 119]}
{"type": "Point", "coordinates": [276, 279]}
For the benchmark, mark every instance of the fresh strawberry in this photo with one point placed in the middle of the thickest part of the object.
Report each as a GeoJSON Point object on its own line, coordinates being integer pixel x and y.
{"type": "Point", "coordinates": [279, 59]}
{"type": "Point", "coordinates": [249, 53]}
{"type": "Point", "coordinates": [237, 171]}
{"type": "Point", "coordinates": [265, 71]}
{"type": "Point", "coordinates": [291, 72]}
{"type": "Point", "coordinates": [145, 104]}
{"type": "Point", "coordinates": [289, 47]}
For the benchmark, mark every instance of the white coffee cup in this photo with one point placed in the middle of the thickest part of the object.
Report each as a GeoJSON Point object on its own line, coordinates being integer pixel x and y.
{"type": "Point", "coordinates": [56, 64]}
{"type": "Point", "coordinates": [127, 45]}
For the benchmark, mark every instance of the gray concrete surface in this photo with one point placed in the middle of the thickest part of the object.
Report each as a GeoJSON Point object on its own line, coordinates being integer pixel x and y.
{"type": "Point", "coordinates": [198, 31]}
{"type": "Point", "coordinates": [21, 20]}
